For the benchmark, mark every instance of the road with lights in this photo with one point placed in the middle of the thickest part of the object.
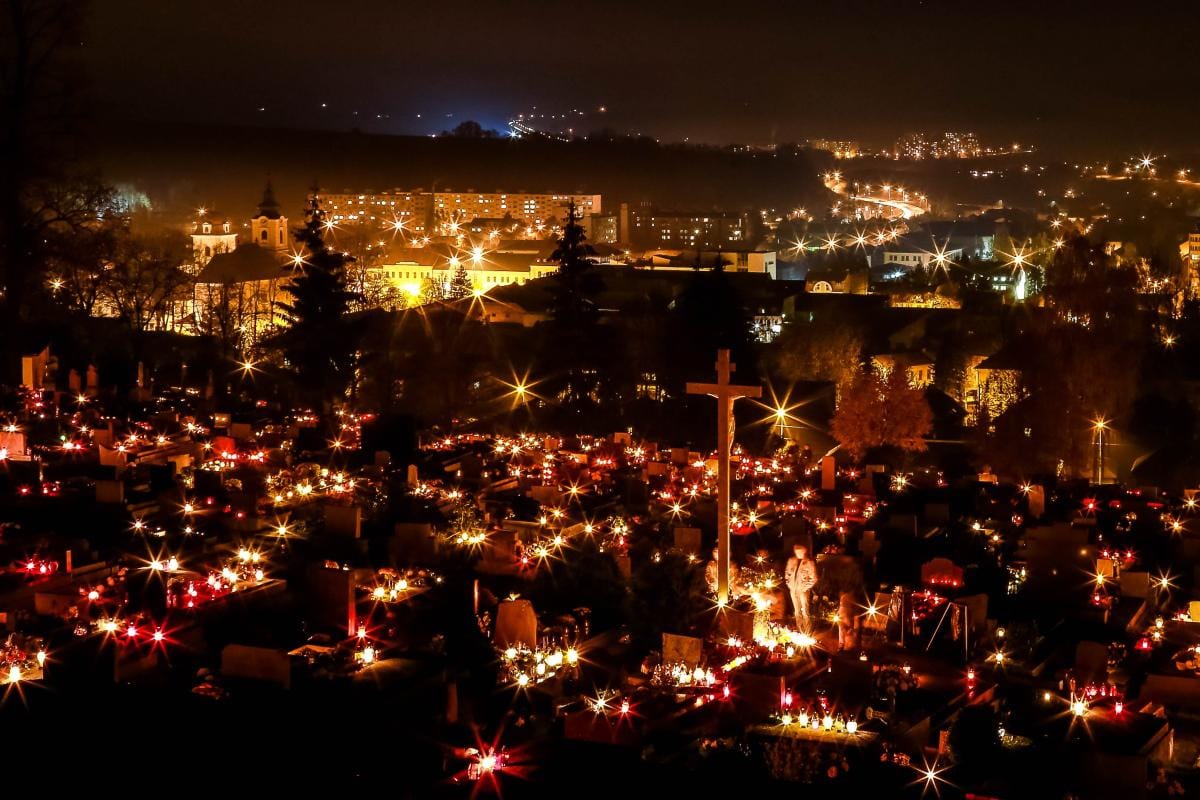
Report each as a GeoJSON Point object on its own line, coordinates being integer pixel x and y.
{"type": "Point", "coordinates": [904, 207]}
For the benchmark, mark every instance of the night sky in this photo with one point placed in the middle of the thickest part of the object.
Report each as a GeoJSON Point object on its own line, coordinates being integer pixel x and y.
{"type": "Point", "coordinates": [1106, 75]}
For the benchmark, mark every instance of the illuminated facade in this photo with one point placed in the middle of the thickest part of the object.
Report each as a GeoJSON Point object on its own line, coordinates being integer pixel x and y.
{"type": "Point", "coordinates": [918, 367]}
{"type": "Point", "coordinates": [951, 144]}
{"type": "Point", "coordinates": [269, 228]}
{"type": "Point", "coordinates": [993, 385]}
{"type": "Point", "coordinates": [908, 255]}
{"type": "Point", "coordinates": [211, 234]}
{"type": "Point", "coordinates": [236, 294]}
{"type": "Point", "coordinates": [438, 213]}
{"type": "Point", "coordinates": [408, 269]}
{"type": "Point", "coordinates": [841, 148]}
{"type": "Point", "coordinates": [743, 259]}
{"type": "Point", "coordinates": [1189, 254]}
{"type": "Point", "coordinates": [692, 229]}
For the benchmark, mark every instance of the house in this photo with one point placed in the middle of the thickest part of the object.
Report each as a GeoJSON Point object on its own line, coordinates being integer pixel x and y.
{"type": "Point", "coordinates": [759, 260]}
{"type": "Point", "coordinates": [993, 384]}
{"type": "Point", "coordinates": [487, 265]}
{"type": "Point", "coordinates": [918, 366]}
{"type": "Point", "coordinates": [909, 253]}
{"type": "Point", "coordinates": [838, 280]}
{"type": "Point", "coordinates": [976, 238]}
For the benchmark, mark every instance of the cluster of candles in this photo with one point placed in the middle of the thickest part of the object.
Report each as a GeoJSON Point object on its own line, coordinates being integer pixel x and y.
{"type": "Point", "coordinates": [391, 585]}
{"type": "Point", "coordinates": [523, 666]}
{"type": "Point", "coordinates": [815, 721]}
{"type": "Point", "coordinates": [679, 675]}
{"type": "Point", "coordinates": [1153, 636]}
{"type": "Point", "coordinates": [128, 631]}
{"type": "Point", "coordinates": [245, 569]}
{"type": "Point", "coordinates": [781, 639]}
{"type": "Point", "coordinates": [286, 488]}
{"type": "Point", "coordinates": [38, 567]}
{"type": "Point", "coordinates": [16, 663]}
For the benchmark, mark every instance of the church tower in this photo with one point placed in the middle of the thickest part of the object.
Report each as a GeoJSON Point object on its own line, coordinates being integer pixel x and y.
{"type": "Point", "coordinates": [269, 228]}
{"type": "Point", "coordinates": [211, 234]}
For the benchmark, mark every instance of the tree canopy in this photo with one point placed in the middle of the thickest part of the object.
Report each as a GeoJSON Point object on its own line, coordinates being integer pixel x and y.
{"type": "Point", "coordinates": [877, 411]}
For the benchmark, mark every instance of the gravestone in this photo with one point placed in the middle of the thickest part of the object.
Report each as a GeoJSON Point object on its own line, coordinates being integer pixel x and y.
{"type": "Point", "coordinates": [684, 650]}
{"type": "Point", "coordinates": [977, 609]}
{"type": "Point", "coordinates": [266, 664]}
{"type": "Point", "coordinates": [500, 552]}
{"type": "Point", "coordinates": [759, 695]}
{"type": "Point", "coordinates": [941, 572]}
{"type": "Point", "coordinates": [1136, 584]}
{"type": "Point", "coordinates": [13, 442]}
{"type": "Point", "coordinates": [828, 473]}
{"type": "Point", "coordinates": [413, 543]}
{"type": "Point", "coordinates": [412, 477]}
{"type": "Point", "coordinates": [516, 624]}
{"type": "Point", "coordinates": [1091, 662]}
{"type": "Point", "coordinates": [731, 622]}
{"type": "Point", "coordinates": [546, 495]}
{"type": "Point", "coordinates": [110, 492]}
{"type": "Point", "coordinates": [1036, 500]}
{"type": "Point", "coordinates": [343, 520]}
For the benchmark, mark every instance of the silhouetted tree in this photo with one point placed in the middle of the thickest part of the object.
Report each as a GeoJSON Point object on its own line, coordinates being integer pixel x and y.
{"type": "Point", "coordinates": [820, 350]}
{"type": "Point", "coordinates": [319, 342]}
{"type": "Point", "coordinates": [143, 283]}
{"type": "Point", "coordinates": [38, 94]}
{"type": "Point", "coordinates": [470, 129]}
{"type": "Point", "coordinates": [573, 351]}
{"type": "Point", "coordinates": [1082, 362]}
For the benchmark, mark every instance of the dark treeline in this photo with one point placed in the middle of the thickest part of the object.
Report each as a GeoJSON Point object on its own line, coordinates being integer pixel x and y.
{"type": "Point", "coordinates": [180, 168]}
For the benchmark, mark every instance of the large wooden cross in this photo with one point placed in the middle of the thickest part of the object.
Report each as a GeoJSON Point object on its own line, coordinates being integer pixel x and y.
{"type": "Point", "coordinates": [726, 393]}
